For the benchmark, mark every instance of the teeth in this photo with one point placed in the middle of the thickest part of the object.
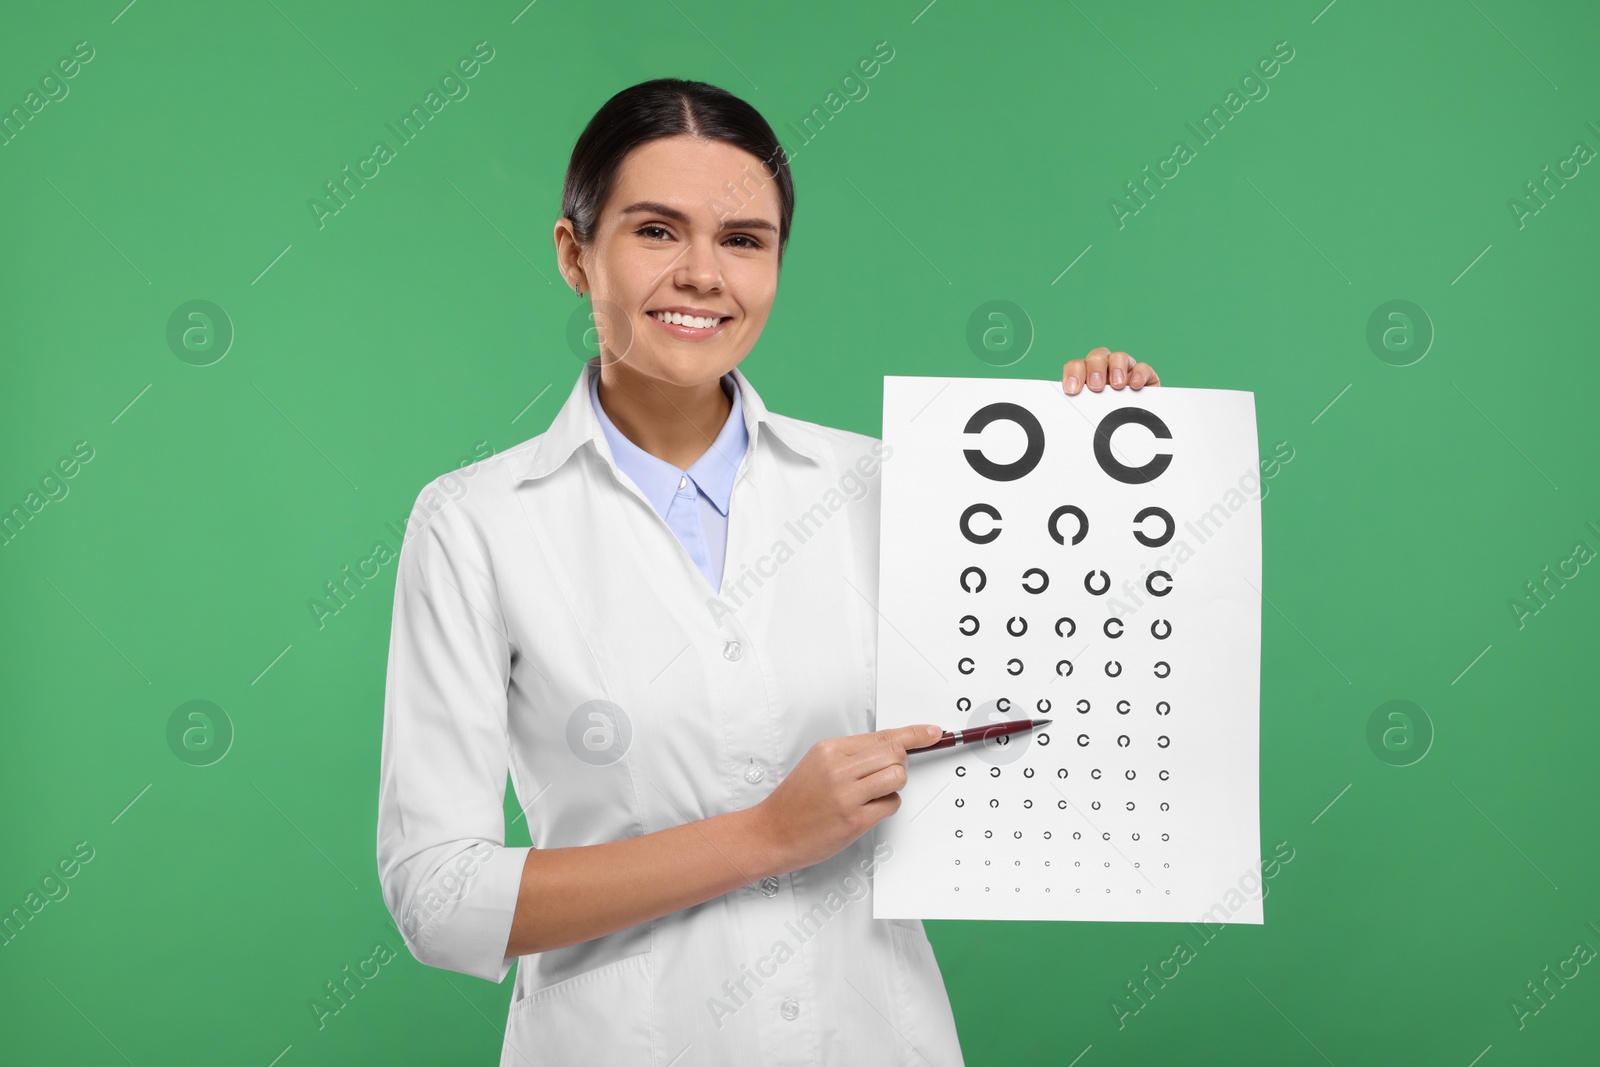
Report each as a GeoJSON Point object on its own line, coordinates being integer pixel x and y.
{"type": "Point", "coordinates": [685, 320]}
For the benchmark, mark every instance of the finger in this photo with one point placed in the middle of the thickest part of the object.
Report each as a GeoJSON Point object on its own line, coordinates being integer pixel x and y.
{"type": "Point", "coordinates": [882, 783]}
{"type": "Point", "coordinates": [884, 741]}
{"type": "Point", "coordinates": [922, 733]}
{"type": "Point", "coordinates": [881, 808]}
{"type": "Point", "coordinates": [1138, 374]}
{"type": "Point", "coordinates": [1121, 364]}
{"type": "Point", "coordinates": [1072, 376]}
{"type": "Point", "coordinates": [1095, 363]}
{"type": "Point", "coordinates": [887, 748]}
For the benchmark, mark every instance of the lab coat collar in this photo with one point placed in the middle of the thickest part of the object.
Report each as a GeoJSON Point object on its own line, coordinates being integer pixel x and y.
{"type": "Point", "coordinates": [576, 424]}
{"type": "Point", "coordinates": [712, 473]}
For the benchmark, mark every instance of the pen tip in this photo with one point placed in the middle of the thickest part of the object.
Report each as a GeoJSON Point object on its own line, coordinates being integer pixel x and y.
{"type": "Point", "coordinates": [1041, 722]}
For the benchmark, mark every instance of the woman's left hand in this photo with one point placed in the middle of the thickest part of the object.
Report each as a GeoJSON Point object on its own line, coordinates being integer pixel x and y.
{"type": "Point", "coordinates": [1101, 365]}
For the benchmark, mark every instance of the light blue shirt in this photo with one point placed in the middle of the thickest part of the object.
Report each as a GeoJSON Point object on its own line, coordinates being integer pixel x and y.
{"type": "Point", "coordinates": [693, 502]}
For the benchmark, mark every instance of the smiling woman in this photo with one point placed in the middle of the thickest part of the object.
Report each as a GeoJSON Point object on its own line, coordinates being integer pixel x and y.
{"type": "Point", "coordinates": [558, 612]}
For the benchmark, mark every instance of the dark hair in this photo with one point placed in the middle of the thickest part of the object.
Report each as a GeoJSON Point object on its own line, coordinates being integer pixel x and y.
{"type": "Point", "coordinates": [666, 107]}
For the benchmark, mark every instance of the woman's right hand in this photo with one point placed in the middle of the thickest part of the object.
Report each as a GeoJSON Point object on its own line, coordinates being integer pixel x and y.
{"type": "Point", "coordinates": [841, 788]}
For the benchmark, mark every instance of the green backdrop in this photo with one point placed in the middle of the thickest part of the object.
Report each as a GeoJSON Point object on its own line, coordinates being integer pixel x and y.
{"type": "Point", "coordinates": [187, 485]}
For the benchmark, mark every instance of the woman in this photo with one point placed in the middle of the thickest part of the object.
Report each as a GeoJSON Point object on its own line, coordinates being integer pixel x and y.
{"type": "Point", "coordinates": [658, 616]}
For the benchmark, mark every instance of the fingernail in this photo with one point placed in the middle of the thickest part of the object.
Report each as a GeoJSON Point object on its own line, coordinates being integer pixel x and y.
{"type": "Point", "coordinates": [1094, 380]}
{"type": "Point", "coordinates": [935, 733]}
{"type": "Point", "coordinates": [1116, 376]}
{"type": "Point", "coordinates": [1072, 383]}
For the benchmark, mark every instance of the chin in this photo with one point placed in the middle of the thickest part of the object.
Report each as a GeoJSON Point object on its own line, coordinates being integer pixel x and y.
{"type": "Point", "coordinates": [692, 365]}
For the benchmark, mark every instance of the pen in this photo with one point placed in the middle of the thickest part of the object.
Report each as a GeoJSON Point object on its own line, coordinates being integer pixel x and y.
{"type": "Point", "coordinates": [981, 733]}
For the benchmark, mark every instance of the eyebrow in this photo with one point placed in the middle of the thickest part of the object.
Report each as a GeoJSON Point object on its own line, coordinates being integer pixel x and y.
{"type": "Point", "coordinates": [655, 207]}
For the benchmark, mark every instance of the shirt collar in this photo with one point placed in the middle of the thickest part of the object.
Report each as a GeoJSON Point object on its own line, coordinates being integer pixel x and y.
{"type": "Point", "coordinates": [712, 473]}
{"type": "Point", "coordinates": [576, 424]}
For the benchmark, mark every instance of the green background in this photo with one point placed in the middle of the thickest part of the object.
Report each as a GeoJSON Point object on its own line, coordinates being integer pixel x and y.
{"type": "Point", "coordinates": [379, 350]}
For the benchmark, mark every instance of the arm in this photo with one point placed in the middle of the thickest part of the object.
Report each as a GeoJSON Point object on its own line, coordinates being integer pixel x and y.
{"type": "Point", "coordinates": [447, 876]}
{"type": "Point", "coordinates": [570, 895]}
{"type": "Point", "coordinates": [841, 788]}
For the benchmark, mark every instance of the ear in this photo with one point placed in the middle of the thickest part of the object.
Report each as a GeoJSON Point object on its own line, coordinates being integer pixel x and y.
{"type": "Point", "coordinates": [569, 254]}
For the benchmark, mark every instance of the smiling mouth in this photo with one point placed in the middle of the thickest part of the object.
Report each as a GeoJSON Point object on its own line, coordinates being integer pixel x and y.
{"type": "Point", "coordinates": [688, 332]}
{"type": "Point", "coordinates": [700, 321]}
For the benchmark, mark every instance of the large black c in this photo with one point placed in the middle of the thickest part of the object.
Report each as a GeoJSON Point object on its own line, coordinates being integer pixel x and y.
{"type": "Point", "coordinates": [1004, 411]}
{"type": "Point", "coordinates": [1121, 471]}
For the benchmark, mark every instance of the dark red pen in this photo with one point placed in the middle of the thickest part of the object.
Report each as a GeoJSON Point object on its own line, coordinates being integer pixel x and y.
{"type": "Point", "coordinates": [981, 733]}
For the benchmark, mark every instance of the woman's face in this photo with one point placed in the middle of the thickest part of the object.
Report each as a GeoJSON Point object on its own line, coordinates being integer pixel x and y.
{"type": "Point", "coordinates": [690, 225]}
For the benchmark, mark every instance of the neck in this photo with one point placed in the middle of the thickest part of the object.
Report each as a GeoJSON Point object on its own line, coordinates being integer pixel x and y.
{"type": "Point", "coordinates": [675, 423]}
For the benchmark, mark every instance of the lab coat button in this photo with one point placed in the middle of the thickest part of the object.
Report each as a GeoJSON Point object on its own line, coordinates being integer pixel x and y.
{"type": "Point", "coordinates": [790, 1008]}
{"type": "Point", "coordinates": [769, 886]}
{"type": "Point", "coordinates": [754, 774]}
{"type": "Point", "coordinates": [732, 650]}
{"type": "Point", "coordinates": [682, 482]}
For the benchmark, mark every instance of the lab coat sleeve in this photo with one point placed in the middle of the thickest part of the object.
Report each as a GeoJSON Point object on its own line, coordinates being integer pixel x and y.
{"type": "Point", "coordinates": [447, 877]}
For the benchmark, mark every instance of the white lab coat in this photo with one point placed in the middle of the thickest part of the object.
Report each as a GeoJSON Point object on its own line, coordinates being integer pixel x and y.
{"type": "Point", "coordinates": [537, 593]}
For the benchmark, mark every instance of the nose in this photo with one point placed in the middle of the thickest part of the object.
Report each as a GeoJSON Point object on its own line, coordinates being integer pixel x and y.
{"type": "Point", "coordinates": [700, 267]}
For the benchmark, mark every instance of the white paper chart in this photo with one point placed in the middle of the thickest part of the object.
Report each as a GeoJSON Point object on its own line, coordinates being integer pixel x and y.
{"type": "Point", "coordinates": [1094, 560]}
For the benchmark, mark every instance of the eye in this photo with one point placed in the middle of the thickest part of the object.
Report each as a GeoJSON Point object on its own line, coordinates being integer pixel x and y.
{"type": "Point", "coordinates": [650, 226]}
{"type": "Point", "coordinates": [753, 243]}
